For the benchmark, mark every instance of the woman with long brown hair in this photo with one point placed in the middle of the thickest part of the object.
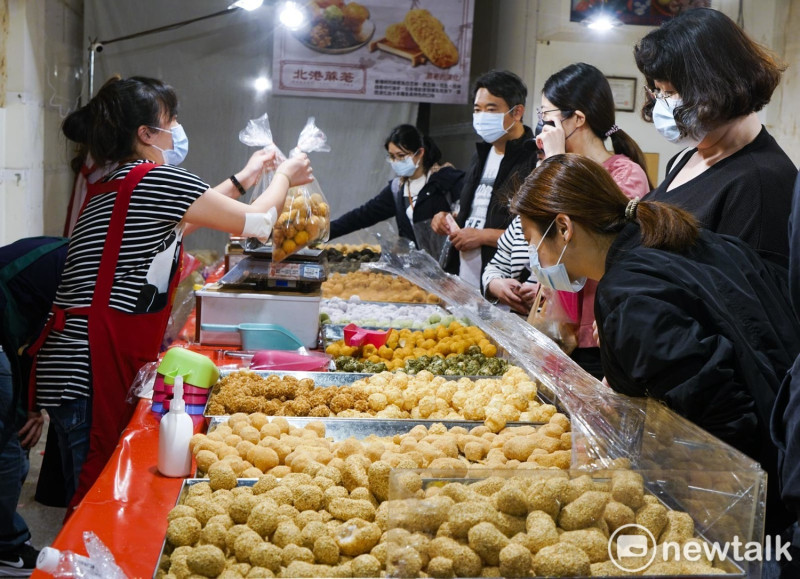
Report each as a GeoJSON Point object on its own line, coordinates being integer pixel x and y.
{"type": "Point", "coordinates": [686, 316]}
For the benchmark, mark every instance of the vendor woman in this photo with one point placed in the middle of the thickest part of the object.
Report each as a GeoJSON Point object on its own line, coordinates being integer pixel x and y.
{"type": "Point", "coordinates": [686, 316]}
{"type": "Point", "coordinates": [124, 256]}
{"type": "Point", "coordinates": [421, 189]}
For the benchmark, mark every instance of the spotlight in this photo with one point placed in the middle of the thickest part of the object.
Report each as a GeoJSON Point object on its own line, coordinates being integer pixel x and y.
{"type": "Point", "coordinates": [248, 5]}
{"type": "Point", "coordinates": [292, 16]}
{"type": "Point", "coordinates": [262, 84]}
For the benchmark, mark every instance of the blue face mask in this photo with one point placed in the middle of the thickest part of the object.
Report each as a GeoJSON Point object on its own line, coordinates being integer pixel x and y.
{"type": "Point", "coordinates": [664, 121]}
{"type": "Point", "coordinates": [180, 145]}
{"type": "Point", "coordinates": [404, 167]}
{"type": "Point", "coordinates": [554, 277]}
{"type": "Point", "coordinates": [489, 126]}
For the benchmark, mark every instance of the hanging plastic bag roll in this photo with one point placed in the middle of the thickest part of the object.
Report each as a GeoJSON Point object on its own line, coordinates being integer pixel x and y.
{"type": "Point", "coordinates": [305, 218]}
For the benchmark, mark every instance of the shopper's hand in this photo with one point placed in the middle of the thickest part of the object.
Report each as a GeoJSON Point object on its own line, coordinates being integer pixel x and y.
{"type": "Point", "coordinates": [505, 290]}
{"type": "Point", "coordinates": [527, 293]}
{"type": "Point", "coordinates": [595, 333]}
{"type": "Point", "coordinates": [30, 433]}
{"type": "Point", "coordinates": [258, 162]}
{"type": "Point", "coordinates": [297, 169]}
{"type": "Point", "coordinates": [552, 140]}
{"type": "Point", "coordinates": [439, 223]}
{"type": "Point", "coordinates": [467, 238]}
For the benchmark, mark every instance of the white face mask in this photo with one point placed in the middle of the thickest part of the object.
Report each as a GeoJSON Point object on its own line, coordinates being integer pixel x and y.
{"type": "Point", "coordinates": [664, 121]}
{"type": "Point", "coordinates": [489, 126]}
{"type": "Point", "coordinates": [180, 145]}
{"type": "Point", "coordinates": [554, 277]}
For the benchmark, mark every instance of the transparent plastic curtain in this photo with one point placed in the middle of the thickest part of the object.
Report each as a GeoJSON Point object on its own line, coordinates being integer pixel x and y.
{"type": "Point", "coordinates": [723, 489]}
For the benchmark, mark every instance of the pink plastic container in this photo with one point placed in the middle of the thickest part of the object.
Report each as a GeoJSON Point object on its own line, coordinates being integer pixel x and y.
{"type": "Point", "coordinates": [290, 361]}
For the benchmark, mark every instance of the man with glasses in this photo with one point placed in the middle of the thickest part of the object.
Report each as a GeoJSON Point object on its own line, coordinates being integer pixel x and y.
{"type": "Point", "coordinates": [500, 162]}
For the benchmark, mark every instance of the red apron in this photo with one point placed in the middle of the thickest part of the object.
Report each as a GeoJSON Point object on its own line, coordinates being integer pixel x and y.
{"type": "Point", "coordinates": [119, 343]}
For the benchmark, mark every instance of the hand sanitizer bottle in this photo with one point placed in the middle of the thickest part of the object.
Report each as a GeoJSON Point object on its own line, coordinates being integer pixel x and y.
{"type": "Point", "coordinates": [174, 434]}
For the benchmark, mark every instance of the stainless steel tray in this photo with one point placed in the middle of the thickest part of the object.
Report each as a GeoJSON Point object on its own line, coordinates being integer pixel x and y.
{"type": "Point", "coordinates": [736, 573]}
{"type": "Point", "coordinates": [325, 379]}
{"type": "Point", "coordinates": [340, 429]}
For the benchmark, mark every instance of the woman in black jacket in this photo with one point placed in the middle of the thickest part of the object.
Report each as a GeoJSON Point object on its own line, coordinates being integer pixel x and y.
{"type": "Point", "coordinates": [421, 189]}
{"type": "Point", "coordinates": [686, 316]}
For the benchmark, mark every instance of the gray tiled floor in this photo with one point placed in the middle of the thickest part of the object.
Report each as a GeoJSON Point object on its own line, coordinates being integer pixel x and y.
{"type": "Point", "coordinates": [43, 522]}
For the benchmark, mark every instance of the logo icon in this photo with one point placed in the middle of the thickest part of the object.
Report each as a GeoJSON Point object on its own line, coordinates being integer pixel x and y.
{"type": "Point", "coordinates": [632, 543]}
{"type": "Point", "coordinates": [631, 546]}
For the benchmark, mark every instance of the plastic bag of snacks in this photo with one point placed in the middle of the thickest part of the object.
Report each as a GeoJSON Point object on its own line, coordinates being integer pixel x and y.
{"type": "Point", "coordinates": [258, 134]}
{"type": "Point", "coordinates": [305, 218]}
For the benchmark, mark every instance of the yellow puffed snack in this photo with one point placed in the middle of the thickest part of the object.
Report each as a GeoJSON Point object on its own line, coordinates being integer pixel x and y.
{"type": "Point", "coordinates": [561, 560]}
{"type": "Point", "coordinates": [541, 531]}
{"type": "Point", "coordinates": [221, 476]}
{"type": "Point", "coordinates": [346, 509]}
{"type": "Point", "coordinates": [653, 517]}
{"type": "Point", "coordinates": [487, 541]}
{"type": "Point", "coordinates": [183, 531]}
{"type": "Point", "coordinates": [616, 515]}
{"type": "Point", "coordinates": [213, 534]}
{"type": "Point", "coordinates": [357, 537]}
{"type": "Point", "coordinates": [679, 527]}
{"type": "Point", "coordinates": [263, 518]}
{"type": "Point", "coordinates": [206, 560]}
{"type": "Point", "coordinates": [515, 561]}
{"type": "Point", "coordinates": [584, 511]}
{"type": "Point", "coordinates": [511, 499]}
{"type": "Point", "coordinates": [627, 487]}
{"type": "Point", "coordinates": [440, 567]}
{"type": "Point", "coordinates": [467, 515]}
{"type": "Point", "coordinates": [591, 541]}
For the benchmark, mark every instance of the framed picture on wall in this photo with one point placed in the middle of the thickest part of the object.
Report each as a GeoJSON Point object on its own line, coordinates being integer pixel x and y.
{"type": "Point", "coordinates": [624, 91]}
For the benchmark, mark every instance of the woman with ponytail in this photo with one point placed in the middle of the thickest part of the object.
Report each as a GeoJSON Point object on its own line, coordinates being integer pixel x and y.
{"type": "Point", "coordinates": [124, 258]}
{"type": "Point", "coordinates": [421, 189]}
{"type": "Point", "coordinates": [577, 116]}
{"type": "Point", "coordinates": [684, 315]}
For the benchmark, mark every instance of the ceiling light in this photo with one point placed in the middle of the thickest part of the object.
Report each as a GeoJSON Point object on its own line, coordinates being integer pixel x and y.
{"type": "Point", "coordinates": [601, 21]}
{"type": "Point", "coordinates": [248, 5]}
{"type": "Point", "coordinates": [262, 83]}
{"type": "Point", "coordinates": [292, 16]}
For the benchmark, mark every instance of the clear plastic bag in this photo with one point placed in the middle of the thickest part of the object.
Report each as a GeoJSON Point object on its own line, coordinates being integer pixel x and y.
{"type": "Point", "coordinates": [257, 133]}
{"type": "Point", "coordinates": [549, 316]}
{"type": "Point", "coordinates": [305, 217]}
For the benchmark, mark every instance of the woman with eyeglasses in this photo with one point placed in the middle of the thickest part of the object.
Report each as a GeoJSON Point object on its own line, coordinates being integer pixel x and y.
{"type": "Point", "coordinates": [421, 189]}
{"type": "Point", "coordinates": [706, 80]}
{"type": "Point", "coordinates": [577, 116]}
{"type": "Point", "coordinates": [686, 316]}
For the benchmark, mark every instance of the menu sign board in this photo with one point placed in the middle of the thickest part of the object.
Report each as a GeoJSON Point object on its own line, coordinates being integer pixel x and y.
{"type": "Point", "coordinates": [412, 50]}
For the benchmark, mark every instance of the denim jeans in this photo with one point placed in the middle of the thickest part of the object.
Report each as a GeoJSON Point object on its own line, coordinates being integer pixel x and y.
{"type": "Point", "coordinates": [72, 422]}
{"type": "Point", "coordinates": [13, 468]}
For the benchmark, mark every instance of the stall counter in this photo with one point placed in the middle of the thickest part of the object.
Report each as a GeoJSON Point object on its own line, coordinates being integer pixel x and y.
{"type": "Point", "coordinates": [127, 507]}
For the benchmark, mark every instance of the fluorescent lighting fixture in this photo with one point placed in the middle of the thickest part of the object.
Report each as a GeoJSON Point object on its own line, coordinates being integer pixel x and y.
{"type": "Point", "coordinates": [248, 5]}
{"type": "Point", "coordinates": [601, 22]}
{"type": "Point", "coordinates": [292, 16]}
{"type": "Point", "coordinates": [262, 84]}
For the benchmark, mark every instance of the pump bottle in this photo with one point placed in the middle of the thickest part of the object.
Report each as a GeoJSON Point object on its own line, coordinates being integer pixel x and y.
{"type": "Point", "coordinates": [174, 433]}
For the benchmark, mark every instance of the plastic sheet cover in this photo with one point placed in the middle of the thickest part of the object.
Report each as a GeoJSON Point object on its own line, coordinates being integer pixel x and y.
{"type": "Point", "coordinates": [723, 489]}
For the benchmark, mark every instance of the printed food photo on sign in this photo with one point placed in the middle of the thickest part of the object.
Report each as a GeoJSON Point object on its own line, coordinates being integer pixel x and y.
{"type": "Point", "coordinates": [420, 37]}
{"type": "Point", "coordinates": [336, 26]}
{"type": "Point", "coordinates": [399, 50]}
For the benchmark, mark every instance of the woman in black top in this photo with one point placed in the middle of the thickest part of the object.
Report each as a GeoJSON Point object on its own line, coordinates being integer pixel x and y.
{"type": "Point", "coordinates": [421, 189]}
{"type": "Point", "coordinates": [706, 79]}
{"type": "Point", "coordinates": [686, 316]}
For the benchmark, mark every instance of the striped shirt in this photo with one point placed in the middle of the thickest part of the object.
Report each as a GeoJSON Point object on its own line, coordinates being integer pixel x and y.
{"type": "Point", "coordinates": [511, 258]}
{"type": "Point", "coordinates": [147, 257]}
